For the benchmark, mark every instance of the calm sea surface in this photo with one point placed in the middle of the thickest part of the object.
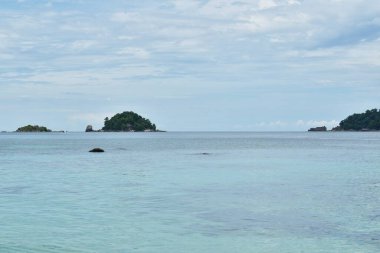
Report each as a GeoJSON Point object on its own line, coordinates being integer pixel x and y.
{"type": "Point", "coordinates": [160, 192]}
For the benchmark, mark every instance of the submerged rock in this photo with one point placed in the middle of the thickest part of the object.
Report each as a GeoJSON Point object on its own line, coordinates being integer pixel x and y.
{"type": "Point", "coordinates": [96, 150]}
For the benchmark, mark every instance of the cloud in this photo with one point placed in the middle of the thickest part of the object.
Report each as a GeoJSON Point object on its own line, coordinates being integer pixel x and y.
{"type": "Point", "coordinates": [318, 123]}
{"type": "Point", "coordinates": [136, 52]}
{"type": "Point", "coordinates": [83, 44]}
{"type": "Point", "coordinates": [288, 51]}
{"type": "Point", "coordinates": [94, 118]}
{"type": "Point", "coordinates": [186, 5]}
{"type": "Point", "coordinates": [300, 125]}
{"type": "Point", "coordinates": [266, 4]}
{"type": "Point", "coordinates": [293, 2]}
{"type": "Point", "coordinates": [123, 17]}
{"type": "Point", "coordinates": [267, 23]}
{"type": "Point", "coordinates": [278, 123]}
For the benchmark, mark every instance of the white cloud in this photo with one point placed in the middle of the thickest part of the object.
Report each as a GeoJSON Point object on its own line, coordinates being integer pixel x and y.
{"type": "Point", "coordinates": [94, 118]}
{"type": "Point", "coordinates": [271, 124]}
{"type": "Point", "coordinates": [83, 44]}
{"type": "Point", "coordinates": [6, 56]}
{"type": "Point", "coordinates": [292, 2]}
{"type": "Point", "coordinates": [316, 53]}
{"type": "Point", "coordinates": [184, 46]}
{"type": "Point", "coordinates": [267, 23]}
{"type": "Point", "coordinates": [366, 54]}
{"type": "Point", "coordinates": [223, 9]}
{"type": "Point", "coordinates": [288, 125]}
{"type": "Point", "coordinates": [80, 27]}
{"type": "Point", "coordinates": [243, 46]}
{"type": "Point", "coordinates": [317, 123]}
{"type": "Point", "coordinates": [266, 4]}
{"type": "Point", "coordinates": [126, 37]}
{"type": "Point", "coordinates": [137, 52]}
{"type": "Point", "coordinates": [123, 17]}
{"type": "Point", "coordinates": [186, 5]}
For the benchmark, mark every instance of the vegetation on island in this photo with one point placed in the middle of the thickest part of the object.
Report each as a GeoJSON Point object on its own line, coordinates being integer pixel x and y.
{"type": "Point", "coordinates": [35, 128]}
{"type": "Point", "coordinates": [367, 121]}
{"type": "Point", "coordinates": [128, 122]}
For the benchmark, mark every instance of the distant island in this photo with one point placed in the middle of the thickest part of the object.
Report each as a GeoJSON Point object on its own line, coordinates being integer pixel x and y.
{"type": "Point", "coordinates": [367, 121]}
{"type": "Point", "coordinates": [126, 122]}
{"type": "Point", "coordinates": [35, 128]}
{"type": "Point", "coordinates": [318, 129]}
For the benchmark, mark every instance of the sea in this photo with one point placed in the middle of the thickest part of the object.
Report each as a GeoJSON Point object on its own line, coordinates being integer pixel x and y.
{"type": "Point", "coordinates": [190, 192]}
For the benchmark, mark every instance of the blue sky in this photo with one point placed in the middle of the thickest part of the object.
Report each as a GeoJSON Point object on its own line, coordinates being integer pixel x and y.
{"type": "Point", "coordinates": [244, 65]}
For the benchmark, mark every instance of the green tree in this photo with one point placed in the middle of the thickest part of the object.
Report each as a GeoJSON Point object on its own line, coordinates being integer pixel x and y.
{"type": "Point", "coordinates": [35, 128]}
{"type": "Point", "coordinates": [369, 120]}
{"type": "Point", "coordinates": [128, 121]}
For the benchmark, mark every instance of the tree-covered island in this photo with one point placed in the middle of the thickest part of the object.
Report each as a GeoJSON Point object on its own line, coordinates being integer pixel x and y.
{"type": "Point", "coordinates": [367, 121]}
{"type": "Point", "coordinates": [35, 128]}
{"type": "Point", "coordinates": [128, 122]}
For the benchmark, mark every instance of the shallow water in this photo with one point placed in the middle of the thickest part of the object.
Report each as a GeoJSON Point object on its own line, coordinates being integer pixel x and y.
{"type": "Point", "coordinates": [190, 192]}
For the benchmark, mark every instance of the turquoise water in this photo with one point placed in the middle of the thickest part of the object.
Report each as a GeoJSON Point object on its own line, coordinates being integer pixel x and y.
{"type": "Point", "coordinates": [158, 192]}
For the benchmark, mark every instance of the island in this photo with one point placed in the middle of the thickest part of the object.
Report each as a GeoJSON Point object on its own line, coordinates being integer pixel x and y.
{"type": "Point", "coordinates": [35, 128]}
{"type": "Point", "coordinates": [318, 129]}
{"type": "Point", "coordinates": [128, 122]}
{"type": "Point", "coordinates": [367, 121]}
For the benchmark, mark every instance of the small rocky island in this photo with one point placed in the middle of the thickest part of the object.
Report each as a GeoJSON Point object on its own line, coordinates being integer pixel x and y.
{"type": "Point", "coordinates": [35, 128]}
{"type": "Point", "coordinates": [318, 129]}
{"type": "Point", "coordinates": [367, 121]}
{"type": "Point", "coordinates": [126, 122]}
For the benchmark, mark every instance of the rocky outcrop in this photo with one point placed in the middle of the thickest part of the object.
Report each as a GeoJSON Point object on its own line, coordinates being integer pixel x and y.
{"type": "Point", "coordinates": [89, 129]}
{"type": "Point", "coordinates": [318, 129]}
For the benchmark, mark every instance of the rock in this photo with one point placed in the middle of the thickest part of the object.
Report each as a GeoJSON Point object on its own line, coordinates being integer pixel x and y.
{"type": "Point", "coordinates": [318, 129]}
{"type": "Point", "coordinates": [89, 128]}
{"type": "Point", "coordinates": [96, 150]}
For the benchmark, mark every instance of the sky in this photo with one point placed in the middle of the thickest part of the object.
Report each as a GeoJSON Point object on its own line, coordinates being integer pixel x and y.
{"type": "Point", "coordinates": [190, 65]}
